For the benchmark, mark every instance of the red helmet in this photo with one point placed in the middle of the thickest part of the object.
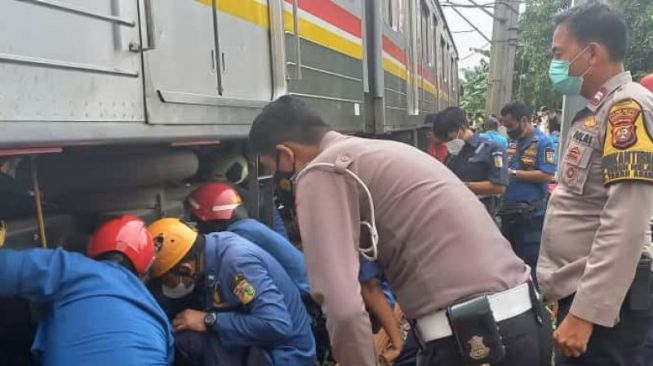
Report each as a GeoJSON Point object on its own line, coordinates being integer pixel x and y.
{"type": "Point", "coordinates": [127, 235]}
{"type": "Point", "coordinates": [647, 82]}
{"type": "Point", "coordinates": [214, 201]}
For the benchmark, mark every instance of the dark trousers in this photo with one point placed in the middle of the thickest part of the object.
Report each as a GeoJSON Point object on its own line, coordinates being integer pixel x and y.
{"type": "Point", "coordinates": [645, 354]}
{"type": "Point", "coordinates": [204, 349]}
{"type": "Point", "coordinates": [408, 355]}
{"type": "Point", "coordinates": [616, 346]}
{"type": "Point", "coordinates": [527, 342]}
{"type": "Point", "coordinates": [524, 233]}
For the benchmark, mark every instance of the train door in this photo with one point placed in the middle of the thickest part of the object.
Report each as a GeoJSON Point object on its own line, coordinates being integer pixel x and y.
{"type": "Point", "coordinates": [69, 61]}
{"type": "Point", "coordinates": [211, 61]}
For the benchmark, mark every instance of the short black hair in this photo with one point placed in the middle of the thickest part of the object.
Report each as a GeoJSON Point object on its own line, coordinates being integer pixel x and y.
{"type": "Point", "coordinates": [491, 124]}
{"type": "Point", "coordinates": [286, 119]}
{"type": "Point", "coordinates": [517, 110]}
{"type": "Point", "coordinates": [597, 22]}
{"type": "Point", "coordinates": [449, 120]}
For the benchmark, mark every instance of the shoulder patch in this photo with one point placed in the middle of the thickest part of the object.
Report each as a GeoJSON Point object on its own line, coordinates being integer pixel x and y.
{"type": "Point", "coordinates": [549, 155]}
{"type": "Point", "coordinates": [243, 290]}
{"type": "Point", "coordinates": [622, 117]}
{"type": "Point", "coordinates": [498, 159]}
{"type": "Point", "coordinates": [628, 146]}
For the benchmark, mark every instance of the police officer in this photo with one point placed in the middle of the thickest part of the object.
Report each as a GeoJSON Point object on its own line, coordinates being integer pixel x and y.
{"type": "Point", "coordinates": [97, 312]}
{"type": "Point", "coordinates": [416, 216]}
{"type": "Point", "coordinates": [249, 300]}
{"type": "Point", "coordinates": [218, 207]}
{"type": "Point", "coordinates": [531, 162]}
{"type": "Point", "coordinates": [597, 219]}
{"type": "Point", "coordinates": [477, 161]}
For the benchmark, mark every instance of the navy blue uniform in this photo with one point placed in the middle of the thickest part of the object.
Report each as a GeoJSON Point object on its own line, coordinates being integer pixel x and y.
{"type": "Point", "coordinates": [290, 258]}
{"type": "Point", "coordinates": [481, 159]}
{"type": "Point", "coordinates": [266, 308]}
{"type": "Point", "coordinates": [524, 203]}
{"type": "Point", "coordinates": [96, 312]}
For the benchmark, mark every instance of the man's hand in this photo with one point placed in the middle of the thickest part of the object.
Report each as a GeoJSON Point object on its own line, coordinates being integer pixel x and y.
{"type": "Point", "coordinates": [190, 320]}
{"type": "Point", "coordinates": [389, 356]}
{"type": "Point", "coordinates": [572, 336]}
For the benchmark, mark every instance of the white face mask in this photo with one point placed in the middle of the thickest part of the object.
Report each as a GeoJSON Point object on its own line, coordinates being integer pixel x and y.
{"type": "Point", "coordinates": [178, 291]}
{"type": "Point", "coordinates": [455, 146]}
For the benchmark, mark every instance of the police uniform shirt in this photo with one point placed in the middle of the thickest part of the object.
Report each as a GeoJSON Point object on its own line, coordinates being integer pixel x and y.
{"type": "Point", "coordinates": [428, 251]}
{"type": "Point", "coordinates": [595, 228]}
{"type": "Point", "coordinates": [535, 153]}
{"type": "Point", "coordinates": [480, 160]}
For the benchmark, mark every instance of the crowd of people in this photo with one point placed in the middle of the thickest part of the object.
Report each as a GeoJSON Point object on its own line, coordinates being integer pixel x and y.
{"type": "Point", "coordinates": [471, 248]}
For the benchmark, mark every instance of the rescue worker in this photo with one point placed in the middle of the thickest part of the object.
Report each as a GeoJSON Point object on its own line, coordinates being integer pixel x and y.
{"type": "Point", "coordinates": [249, 300]}
{"type": "Point", "coordinates": [218, 207]}
{"type": "Point", "coordinates": [597, 220]}
{"type": "Point", "coordinates": [477, 161]}
{"type": "Point", "coordinates": [417, 216]}
{"type": "Point", "coordinates": [491, 131]}
{"type": "Point", "coordinates": [97, 311]}
{"type": "Point", "coordinates": [531, 165]}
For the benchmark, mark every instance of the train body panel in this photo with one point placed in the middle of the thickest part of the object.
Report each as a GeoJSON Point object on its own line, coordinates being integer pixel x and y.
{"type": "Point", "coordinates": [124, 71]}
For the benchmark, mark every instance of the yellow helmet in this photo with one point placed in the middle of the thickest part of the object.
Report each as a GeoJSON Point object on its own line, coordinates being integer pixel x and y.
{"type": "Point", "coordinates": [173, 240]}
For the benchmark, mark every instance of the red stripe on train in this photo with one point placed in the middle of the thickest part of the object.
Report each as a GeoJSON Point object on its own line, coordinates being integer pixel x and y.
{"type": "Point", "coordinates": [332, 13]}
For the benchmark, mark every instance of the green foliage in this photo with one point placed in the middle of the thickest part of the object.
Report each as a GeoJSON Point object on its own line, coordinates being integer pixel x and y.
{"type": "Point", "coordinates": [474, 87]}
{"type": "Point", "coordinates": [531, 81]}
{"type": "Point", "coordinates": [639, 18]}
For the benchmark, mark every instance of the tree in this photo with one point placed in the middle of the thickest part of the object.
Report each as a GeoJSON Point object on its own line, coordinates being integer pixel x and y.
{"type": "Point", "coordinates": [639, 18]}
{"type": "Point", "coordinates": [531, 82]}
{"type": "Point", "coordinates": [474, 88]}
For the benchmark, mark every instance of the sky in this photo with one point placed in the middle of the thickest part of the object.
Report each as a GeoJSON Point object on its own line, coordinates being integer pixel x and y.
{"type": "Point", "coordinates": [470, 38]}
{"type": "Point", "coordinates": [465, 41]}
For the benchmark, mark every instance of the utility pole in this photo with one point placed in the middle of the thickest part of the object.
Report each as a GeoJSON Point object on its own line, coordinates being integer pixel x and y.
{"type": "Point", "coordinates": [502, 55]}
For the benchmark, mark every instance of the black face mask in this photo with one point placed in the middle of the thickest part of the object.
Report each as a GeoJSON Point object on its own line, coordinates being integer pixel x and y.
{"type": "Point", "coordinates": [516, 133]}
{"type": "Point", "coordinates": [285, 188]}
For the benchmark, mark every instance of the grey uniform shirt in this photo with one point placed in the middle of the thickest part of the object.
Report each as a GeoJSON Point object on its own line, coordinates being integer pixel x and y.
{"type": "Point", "coordinates": [597, 218]}
{"type": "Point", "coordinates": [437, 243]}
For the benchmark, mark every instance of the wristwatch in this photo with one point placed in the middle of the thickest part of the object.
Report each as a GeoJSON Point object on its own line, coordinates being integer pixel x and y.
{"type": "Point", "coordinates": [513, 172]}
{"type": "Point", "coordinates": [209, 319]}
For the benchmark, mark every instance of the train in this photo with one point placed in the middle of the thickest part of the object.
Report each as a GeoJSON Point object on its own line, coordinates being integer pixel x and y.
{"type": "Point", "coordinates": [124, 106]}
{"type": "Point", "coordinates": [111, 106]}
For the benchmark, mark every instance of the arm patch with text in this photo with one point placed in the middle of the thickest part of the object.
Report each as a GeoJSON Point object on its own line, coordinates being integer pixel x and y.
{"type": "Point", "coordinates": [628, 146]}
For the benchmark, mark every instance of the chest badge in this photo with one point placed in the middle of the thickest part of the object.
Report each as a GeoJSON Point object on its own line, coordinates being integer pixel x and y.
{"type": "Point", "coordinates": [478, 349]}
{"type": "Point", "coordinates": [590, 122]}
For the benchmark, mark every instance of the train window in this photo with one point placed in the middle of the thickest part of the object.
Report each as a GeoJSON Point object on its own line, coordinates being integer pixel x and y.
{"type": "Point", "coordinates": [430, 43]}
{"type": "Point", "coordinates": [401, 15]}
{"type": "Point", "coordinates": [443, 53]}
{"type": "Point", "coordinates": [424, 31]}
{"type": "Point", "coordinates": [388, 12]}
{"type": "Point", "coordinates": [394, 14]}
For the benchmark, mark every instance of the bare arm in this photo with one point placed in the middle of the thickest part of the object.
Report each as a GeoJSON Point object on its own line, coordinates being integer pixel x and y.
{"type": "Point", "coordinates": [486, 188]}
{"type": "Point", "coordinates": [534, 176]}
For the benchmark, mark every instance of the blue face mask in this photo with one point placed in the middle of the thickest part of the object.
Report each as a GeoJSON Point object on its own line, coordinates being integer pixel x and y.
{"type": "Point", "coordinates": [562, 81]}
